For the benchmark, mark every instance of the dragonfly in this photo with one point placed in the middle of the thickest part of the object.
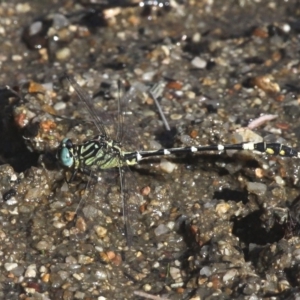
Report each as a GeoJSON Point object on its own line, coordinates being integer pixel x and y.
{"type": "Point", "coordinates": [103, 152]}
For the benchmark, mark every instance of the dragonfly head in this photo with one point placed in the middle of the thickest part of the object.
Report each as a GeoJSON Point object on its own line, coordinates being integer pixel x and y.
{"type": "Point", "coordinates": [65, 155]}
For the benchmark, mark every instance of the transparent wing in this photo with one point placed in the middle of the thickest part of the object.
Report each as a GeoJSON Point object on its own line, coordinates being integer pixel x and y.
{"type": "Point", "coordinates": [87, 100]}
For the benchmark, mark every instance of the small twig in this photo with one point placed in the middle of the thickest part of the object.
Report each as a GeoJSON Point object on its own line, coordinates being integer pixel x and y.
{"type": "Point", "coordinates": [149, 296]}
{"type": "Point", "coordinates": [155, 92]}
{"type": "Point", "coordinates": [261, 120]}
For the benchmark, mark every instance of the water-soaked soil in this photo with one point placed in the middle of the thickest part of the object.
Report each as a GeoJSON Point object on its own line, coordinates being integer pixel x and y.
{"type": "Point", "coordinates": [211, 226]}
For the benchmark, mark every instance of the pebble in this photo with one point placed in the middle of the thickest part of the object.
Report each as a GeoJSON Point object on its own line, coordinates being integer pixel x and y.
{"type": "Point", "coordinates": [63, 53]}
{"type": "Point", "coordinates": [101, 231]}
{"type": "Point", "coordinates": [79, 295]}
{"type": "Point", "coordinates": [196, 37]}
{"type": "Point", "coordinates": [78, 276]}
{"type": "Point", "coordinates": [18, 271]}
{"type": "Point", "coordinates": [167, 166]}
{"type": "Point", "coordinates": [175, 273]}
{"type": "Point", "coordinates": [199, 63]}
{"type": "Point", "coordinates": [35, 28]}
{"type": "Point", "coordinates": [30, 271]}
{"type": "Point", "coordinates": [161, 229]}
{"type": "Point", "coordinates": [256, 188]}
{"type": "Point", "coordinates": [279, 180]}
{"type": "Point", "coordinates": [13, 177]}
{"type": "Point", "coordinates": [63, 274]}
{"type": "Point", "coordinates": [176, 117]}
{"type": "Point", "coordinates": [154, 145]}
{"type": "Point", "coordinates": [43, 245]}
{"type": "Point", "coordinates": [101, 275]}
{"type": "Point", "coordinates": [2, 235]}
{"type": "Point", "coordinates": [222, 208]}
{"type": "Point", "coordinates": [46, 277]}
{"type": "Point", "coordinates": [147, 287]}
{"type": "Point", "coordinates": [81, 224]}
{"type": "Point", "coordinates": [58, 224]}
{"type": "Point", "coordinates": [10, 266]}
{"type": "Point", "coordinates": [171, 225]}
{"type": "Point", "coordinates": [59, 106]}
{"type": "Point", "coordinates": [12, 201]}
{"type": "Point", "coordinates": [148, 76]}
{"type": "Point", "coordinates": [71, 260]}
{"type": "Point", "coordinates": [267, 84]}
{"type": "Point", "coordinates": [16, 57]}
{"type": "Point", "coordinates": [23, 7]}
{"type": "Point", "coordinates": [206, 271]}
{"type": "Point", "coordinates": [230, 275]}
{"type": "Point", "coordinates": [85, 260]}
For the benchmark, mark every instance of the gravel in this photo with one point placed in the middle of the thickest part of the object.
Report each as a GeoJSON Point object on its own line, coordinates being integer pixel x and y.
{"type": "Point", "coordinates": [217, 225]}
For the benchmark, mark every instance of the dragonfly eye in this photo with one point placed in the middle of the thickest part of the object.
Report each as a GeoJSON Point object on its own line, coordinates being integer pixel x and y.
{"type": "Point", "coordinates": [66, 143]}
{"type": "Point", "coordinates": [65, 155]}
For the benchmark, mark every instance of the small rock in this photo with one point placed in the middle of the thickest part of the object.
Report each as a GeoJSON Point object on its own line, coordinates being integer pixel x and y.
{"type": "Point", "coordinates": [222, 208]}
{"type": "Point", "coordinates": [101, 231]}
{"type": "Point", "coordinates": [230, 275]}
{"type": "Point", "coordinates": [59, 106]}
{"type": "Point", "coordinates": [161, 229]}
{"type": "Point", "coordinates": [46, 277]}
{"type": "Point", "coordinates": [175, 273]}
{"type": "Point", "coordinates": [43, 245]}
{"type": "Point", "coordinates": [10, 266]}
{"type": "Point", "coordinates": [167, 166]}
{"type": "Point", "coordinates": [199, 63]}
{"type": "Point", "coordinates": [31, 271]}
{"type": "Point", "coordinates": [256, 188]}
{"type": "Point", "coordinates": [85, 260]}
{"type": "Point", "coordinates": [63, 53]}
{"type": "Point", "coordinates": [147, 287]}
{"type": "Point", "coordinates": [206, 271]}
{"type": "Point", "coordinates": [267, 84]}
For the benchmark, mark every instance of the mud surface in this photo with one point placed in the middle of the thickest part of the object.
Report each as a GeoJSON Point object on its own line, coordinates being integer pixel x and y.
{"type": "Point", "coordinates": [206, 226]}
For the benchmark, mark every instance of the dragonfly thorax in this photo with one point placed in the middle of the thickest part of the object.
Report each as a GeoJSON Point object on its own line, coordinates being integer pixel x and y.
{"type": "Point", "coordinates": [100, 152]}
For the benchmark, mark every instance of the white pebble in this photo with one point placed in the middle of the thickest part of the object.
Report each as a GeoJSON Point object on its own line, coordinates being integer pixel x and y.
{"type": "Point", "coordinates": [63, 53]}
{"type": "Point", "coordinates": [199, 63]}
{"type": "Point", "coordinates": [175, 117]}
{"type": "Point", "coordinates": [230, 275]}
{"type": "Point", "coordinates": [175, 273]}
{"type": "Point", "coordinates": [196, 37]}
{"type": "Point", "coordinates": [13, 177]}
{"type": "Point", "coordinates": [23, 7]}
{"type": "Point", "coordinates": [78, 276]}
{"type": "Point", "coordinates": [59, 106]}
{"type": "Point", "coordinates": [167, 166]}
{"type": "Point", "coordinates": [16, 57]}
{"type": "Point", "coordinates": [11, 201]}
{"type": "Point", "coordinates": [10, 266]}
{"type": "Point", "coordinates": [148, 76]}
{"type": "Point", "coordinates": [286, 27]}
{"type": "Point", "coordinates": [171, 225]}
{"type": "Point", "coordinates": [146, 287]}
{"type": "Point", "coordinates": [58, 224]}
{"type": "Point", "coordinates": [279, 180]}
{"type": "Point", "coordinates": [30, 271]}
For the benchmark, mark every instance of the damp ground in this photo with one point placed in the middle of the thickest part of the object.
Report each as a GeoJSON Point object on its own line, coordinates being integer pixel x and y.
{"type": "Point", "coordinates": [210, 226]}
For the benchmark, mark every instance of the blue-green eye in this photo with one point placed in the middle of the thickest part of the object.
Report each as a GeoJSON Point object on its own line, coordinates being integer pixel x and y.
{"type": "Point", "coordinates": [65, 156]}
